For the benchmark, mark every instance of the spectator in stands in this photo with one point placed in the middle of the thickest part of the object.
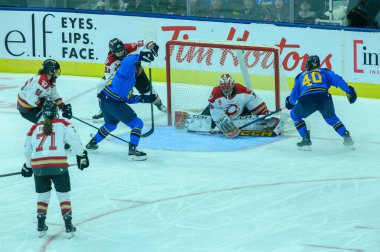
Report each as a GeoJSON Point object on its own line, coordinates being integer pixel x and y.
{"type": "Point", "coordinates": [14, 3]}
{"type": "Point", "coordinates": [362, 13]}
{"type": "Point", "coordinates": [198, 8]}
{"type": "Point", "coordinates": [265, 3]}
{"type": "Point", "coordinates": [114, 5]}
{"type": "Point", "coordinates": [137, 6]}
{"type": "Point", "coordinates": [306, 14]}
{"type": "Point", "coordinates": [251, 10]}
{"type": "Point", "coordinates": [219, 9]}
{"type": "Point", "coordinates": [278, 13]}
{"type": "Point", "coordinates": [173, 7]}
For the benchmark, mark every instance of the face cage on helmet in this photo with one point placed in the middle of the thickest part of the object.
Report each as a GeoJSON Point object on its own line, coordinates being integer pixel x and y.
{"type": "Point", "coordinates": [227, 88]}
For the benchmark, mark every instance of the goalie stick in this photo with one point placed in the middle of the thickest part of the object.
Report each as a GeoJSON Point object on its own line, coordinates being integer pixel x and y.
{"type": "Point", "coordinates": [150, 132]}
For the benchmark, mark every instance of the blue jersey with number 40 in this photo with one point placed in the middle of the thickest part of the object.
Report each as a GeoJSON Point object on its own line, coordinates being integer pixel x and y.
{"type": "Point", "coordinates": [316, 81]}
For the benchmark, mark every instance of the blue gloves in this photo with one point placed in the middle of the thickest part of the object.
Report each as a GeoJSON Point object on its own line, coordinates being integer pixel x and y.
{"type": "Point", "coordinates": [146, 56]}
{"type": "Point", "coordinates": [351, 95]}
{"type": "Point", "coordinates": [288, 104]}
{"type": "Point", "coordinates": [148, 98]}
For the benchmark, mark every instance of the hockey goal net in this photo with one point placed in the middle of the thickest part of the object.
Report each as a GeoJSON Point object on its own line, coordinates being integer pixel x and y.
{"type": "Point", "coordinates": [193, 68]}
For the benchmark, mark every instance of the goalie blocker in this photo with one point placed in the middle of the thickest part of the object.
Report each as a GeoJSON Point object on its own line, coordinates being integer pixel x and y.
{"type": "Point", "coordinates": [202, 124]}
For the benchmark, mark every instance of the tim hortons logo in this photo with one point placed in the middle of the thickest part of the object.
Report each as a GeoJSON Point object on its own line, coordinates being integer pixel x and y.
{"type": "Point", "coordinates": [291, 59]}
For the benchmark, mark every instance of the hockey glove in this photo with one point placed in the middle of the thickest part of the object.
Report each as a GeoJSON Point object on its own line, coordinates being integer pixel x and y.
{"type": "Point", "coordinates": [288, 104]}
{"type": "Point", "coordinates": [146, 56]}
{"type": "Point", "coordinates": [82, 161]}
{"type": "Point", "coordinates": [226, 125]}
{"type": "Point", "coordinates": [26, 172]}
{"type": "Point", "coordinates": [153, 47]}
{"type": "Point", "coordinates": [148, 98]}
{"type": "Point", "coordinates": [66, 111]}
{"type": "Point", "coordinates": [351, 95]}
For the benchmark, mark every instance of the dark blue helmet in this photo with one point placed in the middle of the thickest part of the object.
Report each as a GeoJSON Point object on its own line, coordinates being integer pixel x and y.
{"type": "Point", "coordinates": [49, 110]}
{"type": "Point", "coordinates": [116, 47]}
{"type": "Point", "coordinates": [312, 62]}
{"type": "Point", "coordinates": [51, 67]}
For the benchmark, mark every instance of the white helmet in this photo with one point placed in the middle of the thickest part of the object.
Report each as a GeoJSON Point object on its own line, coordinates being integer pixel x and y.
{"type": "Point", "coordinates": [226, 84]}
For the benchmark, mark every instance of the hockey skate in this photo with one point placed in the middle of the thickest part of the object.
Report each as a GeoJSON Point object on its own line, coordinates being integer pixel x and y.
{"type": "Point", "coordinates": [41, 225]}
{"type": "Point", "coordinates": [98, 117]}
{"type": "Point", "coordinates": [347, 140]}
{"type": "Point", "coordinates": [136, 155]}
{"type": "Point", "coordinates": [161, 107]}
{"type": "Point", "coordinates": [92, 145]}
{"type": "Point", "coordinates": [305, 144]}
{"type": "Point", "coordinates": [70, 229]}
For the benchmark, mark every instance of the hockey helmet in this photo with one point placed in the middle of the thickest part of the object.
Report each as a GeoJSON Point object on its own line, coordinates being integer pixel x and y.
{"type": "Point", "coordinates": [226, 83]}
{"type": "Point", "coordinates": [117, 48]}
{"type": "Point", "coordinates": [49, 110]}
{"type": "Point", "coordinates": [51, 67]}
{"type": "Point", "coordinates": [312, 62]}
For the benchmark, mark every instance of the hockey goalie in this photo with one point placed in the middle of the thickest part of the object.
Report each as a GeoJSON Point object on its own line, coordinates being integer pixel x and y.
{"type": "Point", "coordinates": [231, 106]}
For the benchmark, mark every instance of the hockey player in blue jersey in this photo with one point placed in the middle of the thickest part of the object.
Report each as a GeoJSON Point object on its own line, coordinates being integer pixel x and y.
{"type": "Point", "coordinates": [114, 100]}
{"type": "Point", "coordinates": [310, 94]}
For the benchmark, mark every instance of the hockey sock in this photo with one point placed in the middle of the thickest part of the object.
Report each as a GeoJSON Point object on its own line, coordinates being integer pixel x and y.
{"type": "Point", "coordinates": [104, 131]}
{"type": "Point", "coordinates": [301, 127]}
{"type": "Point", "coordinates": [43, 202]}
{"type": "Point", "coordinates": [65, 203]}
{"type": "Point", "coordinates": [336, 124]}
{"type": "Point", "coordinates": [136, 125]}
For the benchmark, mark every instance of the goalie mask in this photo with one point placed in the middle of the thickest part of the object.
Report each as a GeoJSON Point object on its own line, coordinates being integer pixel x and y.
{"type": "Point", "coordinates": [312, 62]}
{"type": "Point", "coordinates": [117, 48]}
{"type": "Point", "coordinates": [52, 68]}
{"type": "Point", "coordinates": [226, 84]}
{"type": "Point", "coordinates": [49, 110]}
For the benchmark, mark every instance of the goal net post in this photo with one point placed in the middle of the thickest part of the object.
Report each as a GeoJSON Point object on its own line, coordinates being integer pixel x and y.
{"type": "Point", "coordinates": [193, 69]}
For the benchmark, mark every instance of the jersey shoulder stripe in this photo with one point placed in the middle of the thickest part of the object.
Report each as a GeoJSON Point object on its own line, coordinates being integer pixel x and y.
{"type": "Point", "coordinates": [240, 89]}
{"type": "Point", "coordinates": [44, 82]}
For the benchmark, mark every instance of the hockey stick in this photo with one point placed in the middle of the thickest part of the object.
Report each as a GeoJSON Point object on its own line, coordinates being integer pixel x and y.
{"type": "Point", "coordinates": [18, 173]}
{"type": "Point", "coordinates": [261, 118]}
{"type": "Point", "coordinates": [121, 139]}
{"type": "Point", "coordinates": [150, 132]}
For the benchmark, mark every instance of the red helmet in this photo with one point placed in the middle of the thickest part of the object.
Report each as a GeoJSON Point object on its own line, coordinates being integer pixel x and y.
{"type": "Point", "coordinates": [226, 83]}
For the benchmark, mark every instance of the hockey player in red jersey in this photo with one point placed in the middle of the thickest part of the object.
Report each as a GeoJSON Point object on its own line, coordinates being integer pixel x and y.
{"type": "Point", "coordinates": [117, 51]}
{"type": "Point", "coordinates": [46, 158]}
{"type": "Point", "coordinates": [230, 100]}
{"type": "Point", "coordinates": [232, 105]}
{"type": "Point", "coordinates": [38, 89]}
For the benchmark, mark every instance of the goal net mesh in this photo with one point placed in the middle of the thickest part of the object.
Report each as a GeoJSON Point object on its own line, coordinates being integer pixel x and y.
{"type": "Point", "coordinates": [193, 68]}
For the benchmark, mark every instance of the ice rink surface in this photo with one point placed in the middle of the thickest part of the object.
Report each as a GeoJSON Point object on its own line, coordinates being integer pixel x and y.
{"type": "Point", "coordinates": [199, 193]}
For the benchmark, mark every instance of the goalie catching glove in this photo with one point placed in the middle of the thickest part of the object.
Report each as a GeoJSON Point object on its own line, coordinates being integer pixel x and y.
{"type": "Point", "coordinates": [228, 128]}
{"type": "Point", "coordinates": [82, 161]}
